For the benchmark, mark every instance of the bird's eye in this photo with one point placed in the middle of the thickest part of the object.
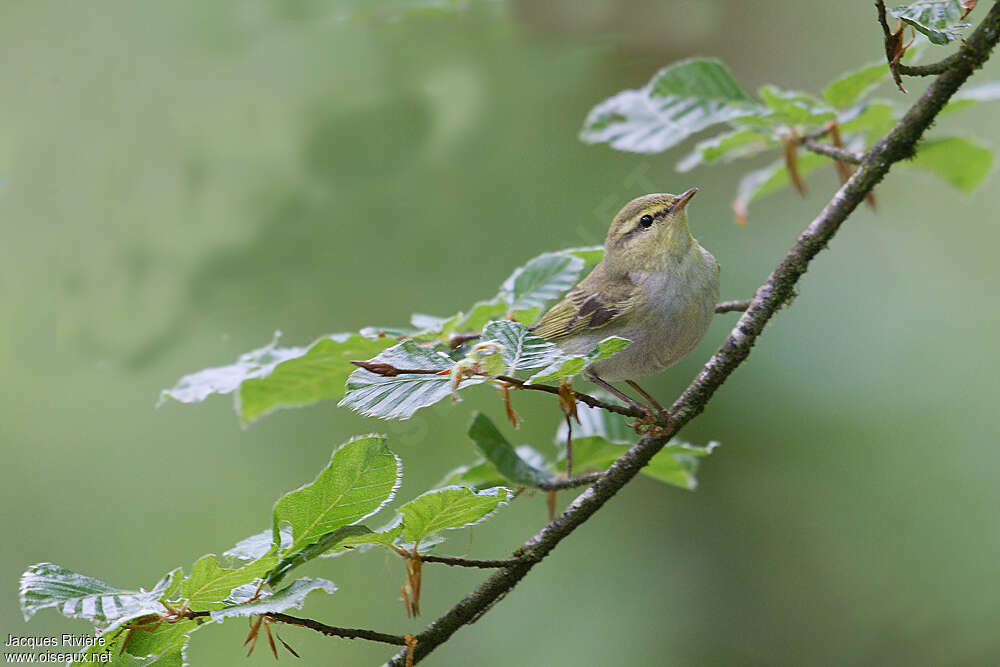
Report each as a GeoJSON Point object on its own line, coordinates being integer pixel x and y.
{"type": "Point", "coordinates": [646, 221]}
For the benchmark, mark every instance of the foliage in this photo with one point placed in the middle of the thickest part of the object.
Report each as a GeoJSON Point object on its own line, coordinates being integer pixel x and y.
{"type": "Point", "coordinates": [392, 372]}
{"type": "Point", "coordinates": [689, 96]}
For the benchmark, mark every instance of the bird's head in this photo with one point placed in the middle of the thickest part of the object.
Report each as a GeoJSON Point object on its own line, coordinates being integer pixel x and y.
{"type": "Point", "coordinates": [649, 231]}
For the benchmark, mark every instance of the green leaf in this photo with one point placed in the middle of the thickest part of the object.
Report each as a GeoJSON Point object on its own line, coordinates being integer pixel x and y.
{"type": "Point", "coordinates": [360, 479]}
{"type": "Point", "coordinates": [543, 279]}
{"type": "Point", "coordinates": [772, 178]}
{"type": "Point", "coordinates": [958, 161]}
{"type": "Point", "coordinates": [318, 374]}
{"type": "Point", "coordinates": [165, 646]}
{"type": "Point", "coordinates": [971, 96]}
{"type": "Point", "coordinates": [274, 377]}
{"type": "Point", "coordinates": [790, 107]}
{"type": "Point", "coordinates": [210, 583]}
{"type": "Point", "coordinates": [448, 509]}
{"type": "Point", "coordinates": [290, 597]}
{"type": "Point", "coordinates": [522, 350]}
{"type": "Point", "coordinates": [569, 365]}
{"type": "Point", "coordinates": [78, 596]}
{"type": "Point", "coordinates": [398, 397]}
{"type": "Point", "coordinates": [591, 255]}
{"type": "Point", "coordinates": [849, 87]}
{"type": "Point", "coordinates": [481, 313]}
{"type": "Point", "coordinates": [679, 101]}
{"type": "Point", "coordinates": [478, 475]}
{"type": "Point", "coordinates": [502, 454]}
{"type": "Point", "coordinates": [196, 387]}
{"type": "Point", "coordinates": [257, 545]}
{"type": "Point", "coordinates": [602, 437]}
{"type": "Point", "coordinates": [323, 545]}
{"type": "Point", "coordinates": [872, 120]}
{"type": "Point", "coordinates": [938, 19]}
{"type": "Point", "coordinates": [366, 537]}
{"type": "Point", "coordinates": [727, 147]}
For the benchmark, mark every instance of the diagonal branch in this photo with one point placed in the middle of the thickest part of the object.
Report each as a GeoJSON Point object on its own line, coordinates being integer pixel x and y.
{"type": "Point", "coordinates": [839, 154]}
{"type": "Point", "coordinates": [897, 145]}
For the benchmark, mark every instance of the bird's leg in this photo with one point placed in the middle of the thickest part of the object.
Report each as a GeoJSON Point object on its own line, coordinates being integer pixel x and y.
{"type": "Point", "coordinates": [592, 376]}
{"type": "Point", "coordinates": [642, 392]}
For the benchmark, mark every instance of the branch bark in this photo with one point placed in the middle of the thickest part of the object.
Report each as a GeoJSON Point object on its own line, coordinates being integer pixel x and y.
{"type": "Point", "coordinates": [898, 144]}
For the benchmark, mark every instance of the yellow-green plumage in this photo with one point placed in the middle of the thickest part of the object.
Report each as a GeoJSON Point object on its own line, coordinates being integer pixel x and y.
{"type": "Point", "coordinates": [655, 286]}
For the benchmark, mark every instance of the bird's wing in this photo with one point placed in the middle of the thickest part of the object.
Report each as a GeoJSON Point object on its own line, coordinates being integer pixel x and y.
{"type": "Point", "coordinates": [586, 308]}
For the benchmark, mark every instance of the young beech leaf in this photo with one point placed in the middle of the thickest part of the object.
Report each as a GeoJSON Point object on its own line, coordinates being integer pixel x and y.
{"type": "Point", "coordinates": [210, 583]}
{"type": "Point", "coordinates": [727, 147]}
{"type": "Point", "coordinates": [940, 20]}
{"type": "Point", "coordinates": [165, 646]}
{"type": "Point", "coordinates": [399, 396]}
{"type": "Point", "coordinates": [449, 508]}
{"type": "Point", "coordinates": [761, 182]}
{"type": "Point", "coordinates": [274, 377]}
{"type": "Point", "coordinates": [198, 386]}
{"type": "Point", "coordinates": [318, 374]}
{"type": "Point", "coordinates": [958, 161]}
{"type": "Point", "coordinates": [590, 255]}
{"type": "Point", "coordinates": [502, 454]}
{"type": "Point", "coordinates": [849, 87]}
{"type": "Point", "coordinates": [362, 476]}
{"type": "Point", "coordinates": [872, 120]}
{"type": "Point", "coordinates": [365, 538]}
{"type": "Point", "coordinates": [971, 96]}
{"type": "Point", "coordinates": [602, 437]}
{"type": "Point", "coordinates": [291, 596]}
{"type": "Point", "coordinates": [478, 475]}
{"type": "Point", "coordinates": [540, 281]}
{"type": "Point", "coordinates": [572, 364]}
{"type": "Point", "coordinates": [679, 101]}
{"type": "Point", "coordinates": [790, 107]}
{"type": "Point", "coordinates": [78, 596]}
{"type": "Point", "coordinates": [522, 350]}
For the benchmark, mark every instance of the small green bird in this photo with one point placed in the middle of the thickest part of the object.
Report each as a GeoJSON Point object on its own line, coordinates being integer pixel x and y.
{"type": "Point", "coordinates": [655, 286]}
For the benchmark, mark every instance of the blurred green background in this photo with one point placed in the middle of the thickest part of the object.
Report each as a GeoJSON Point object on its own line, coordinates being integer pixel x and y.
{"type": "Point", "coordinates": [181, 179]}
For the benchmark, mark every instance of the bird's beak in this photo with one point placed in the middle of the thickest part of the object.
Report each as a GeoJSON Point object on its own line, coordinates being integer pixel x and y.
{"type": "Point", "coordinates": [683, 199]}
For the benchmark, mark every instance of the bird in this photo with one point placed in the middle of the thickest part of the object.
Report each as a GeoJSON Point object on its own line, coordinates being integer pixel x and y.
{"type": "Point", "coordinates": [655, 286]}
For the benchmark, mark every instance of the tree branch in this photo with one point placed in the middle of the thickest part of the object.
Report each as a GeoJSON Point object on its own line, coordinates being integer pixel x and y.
{"type": "Point", "coordinates": [572, 482]}
{"type": "Point", "coordinates": [732, 306]}
{"type": "Point", "coordinates": [459, 562]}
{"type": "Point", "coordinates": [328, 630]}
{"type": "Point", "coordinates": [333, 631]}
{"type": "Point", "coordinates": [839, 154]}
{"type": "Point", "coordinates": [932, 69]}
{"type": "Point", "coordinates": [897, 145]}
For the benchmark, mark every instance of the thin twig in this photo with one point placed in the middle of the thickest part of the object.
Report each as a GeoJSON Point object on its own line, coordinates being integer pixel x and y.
{"type": "Point", "coordinates": [839, 154]}
{"type": "Point", "coordinates": [897, 145]}
{"type": "Point", "coordinates": [583, 398]}
{"type": "Point", "coordinates": [931, 69]}
{"type": "Point", "coordinates": [328, 630]}
{"type": "Point", "coordinates": [572, 482]}
{"type": "Point", "coordinates": [461, 562]}
{"type": "Point", "coordinates": [333, 631]}
{"type": "Point", "coordinates": [732, 306]}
